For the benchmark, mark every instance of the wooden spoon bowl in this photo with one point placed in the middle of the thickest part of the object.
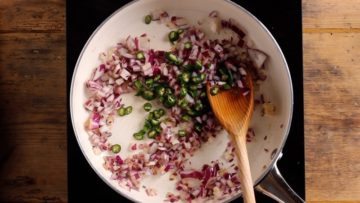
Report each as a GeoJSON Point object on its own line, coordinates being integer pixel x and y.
{"type": "Point", "coordinates": [234, 108]}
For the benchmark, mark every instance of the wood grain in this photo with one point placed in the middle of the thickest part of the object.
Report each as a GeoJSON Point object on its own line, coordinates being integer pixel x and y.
{"type": "Point", "coordinates": [33, 101]}
{"type": "Point", "coordinates": [332, 100]}
{"type": "Point", "coordinates": [332, 115]}
{"type": "Point", "coordinates": [331, 14]}
{"type": "Point", "coordinates": [32, 16]}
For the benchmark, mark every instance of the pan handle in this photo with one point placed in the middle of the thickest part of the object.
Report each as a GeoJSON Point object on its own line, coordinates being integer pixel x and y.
{"type": "Point", "coordinates": [274, 186]}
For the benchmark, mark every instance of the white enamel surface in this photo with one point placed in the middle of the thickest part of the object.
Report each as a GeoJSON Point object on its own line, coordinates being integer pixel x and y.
{"type": "Point", "coordinates": [129, 20]}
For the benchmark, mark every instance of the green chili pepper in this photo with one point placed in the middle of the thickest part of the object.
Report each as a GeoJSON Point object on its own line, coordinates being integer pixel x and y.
{"type": "Point", "coordinates": [198, 106]}
{"type": "Point", "coordinates": [116, 148]}
{"type": "Point", "coordinates": [193, 93]}
{"type": "Point", "coordinates": [161, 112]}
{"type": "Point", "coordinates": [157, 78]}
{"type": "Point", "coordinates": [185, 77]}
{"type": "Point", "coordinates": [168, 91]}
{"type": "Point", "coordinates": [169, 101]}
{"type": "Point", "coordinates": [160, 90]}
{"type": "Point", "coordinates": [140, 55]}
{"type": "Point", "coordinates": [171, 57]}
{"type": "Point", "coordinates": [226, 86]}
{"type": "Point", "coordinates": [151, 116]}
{"type": "Point", "coordinates": [157, 114]}
{"type": "Point", "coordinates": [138, 85]}
{"type": "Point", "coordinates": [190, 112]}
{"type": "Point", "coordinates": [183, 91]}
{"type": "Point", "coordinates": [182, 103]}
{"type": "Point", "coordinates": [154, 122]}
{"type": "Point", "coordinates": [173, 36]}
{"type": "Point", "coordinates": [188, 45]}
{"type": "Point", "coordinates": [148, 95]}
{"type": "Point", "coordinates": [149, 82]}
{"type": "Point", "coordinates": [139, 135]}
{"type": "Point", "coordinates": [193, 87]}
{"type": "Point", "coordinates": [198, 127]}
{"type": "Point", "coordinates": [158, 129]}
{"type": "Point", "coordinates": [147, 106]}
{"type": "Point", "coordinates": [202, 76]}
{"type": "Point", "coordinates": [147, 126]}
{"type": "Point", "coordinates": [214, 90]}
{"type": "Point", "coordinates": [196, 79]}
{"type": "Point", "coordinates": [198, 65]}
{"type": "Point", "coordinates": [121, 111]}
{"type": "Point", "coordinates": [152, 134]}
{"type": "Point", "coordinates": [186, 118]}
{"type": "Point", "coordinates": [128, 110]}
{"type": "Point", "coordinates": [148, 19]}
{"type": "Point", "coordinates": [182, 133]}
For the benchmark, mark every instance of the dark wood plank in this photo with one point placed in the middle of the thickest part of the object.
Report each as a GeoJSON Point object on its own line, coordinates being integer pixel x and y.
{"type": "Point", "coordinates": [33, 101]}
{"type": "Point", "coordinates": [33, 121]}
{"type": "Point", "coordinates": [32, 16]}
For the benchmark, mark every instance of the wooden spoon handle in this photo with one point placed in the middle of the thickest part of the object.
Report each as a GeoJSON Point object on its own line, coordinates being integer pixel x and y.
{"type": "Point", "coordinates": [247, 186]}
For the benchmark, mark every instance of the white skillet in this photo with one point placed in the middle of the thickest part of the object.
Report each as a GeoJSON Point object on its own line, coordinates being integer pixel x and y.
{"type": "Point", "coordinates": [128, 20]}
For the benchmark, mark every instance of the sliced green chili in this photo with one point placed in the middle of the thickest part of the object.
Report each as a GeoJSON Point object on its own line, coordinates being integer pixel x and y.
{"type": "Point", "coordinates": [185, 77]}
{"type": "Point", "coordinates": [147, 106]}
{"type": "Point", "coordinates": [168, 91]}
{"type": "Point", "coordinates": [151, 116]}
{"type": "Point", "coordinates": [172, 58]}
{"type": "Point", "coordinates": [116, 148]}
{"type": "Point", "coordinates": [149, 82]}
{"type": "Point", "coordinates": [198, 65]}
{"type": "Point", "coordinates": [188, 45]}
{"type": "Point", "coordinates": [183, 91]}
{"type": "Point", "coordinates": [148, 19]}
{"type": "Point", "coordinates": [139, 135]}
{"type": "Point", "coordinates": [121, 111]}
{"type": "Point", "coordinates": [193, 87]}
{"type": "Point", "coordinates": [160, 90]}
{"type": "Point", "coordinates": [152, 134]}
{"type": "Point", "coordinates": [155, 122]}
{"type": "Point", "coordinates": [128, 110]}
{"type": "Point", "coordinates": [226, 86]}
{"type": "Point", "coordinates": [140, 55]}
{"type": "Point", "coordinates": [186, 118]}
{"type": "Point", "coordinates": [148, 95]}
{"type": "Point", "coordinates": [170, 101]}
{"type": "Point", "coordinates": [214, 90]}
{"type": "Point", "coordinates": [182, 133]}
{"type": "Point", "coordinates": [158, 129]}
{"type": "Point", "coordinates": [193, 93]}
{"type": "Point", "coordinates": [198, 106]}
{"type": "Point", "coordinates": [157, 78]}
{"type": "Point", "coordinates": [202, 76]}
{"type": "Point", "coordinates": [196, 79]}
{"type": "Point", "coordinates": [198, 127]}
{"type": "Point", "coordinates": [138, 85]}
{"type": "Point", "coordinates": [161, 112]}
{"type": "Point", "coordinates": [173, 36]}
{"type": "Point", "coordinates": [182, 103]}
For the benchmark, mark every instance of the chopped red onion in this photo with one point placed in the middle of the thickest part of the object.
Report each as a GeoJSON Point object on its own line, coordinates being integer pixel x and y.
{"type": "Point", "coordinates": [258, 57]}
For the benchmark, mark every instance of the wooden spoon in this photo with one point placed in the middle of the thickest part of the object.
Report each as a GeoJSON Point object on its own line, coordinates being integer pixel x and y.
{"type": "Point", "coordinates": [233, 109]}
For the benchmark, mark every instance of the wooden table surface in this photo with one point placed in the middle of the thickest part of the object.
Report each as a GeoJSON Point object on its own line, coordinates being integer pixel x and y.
{"type": "Point", "coordinates": [33, 165]}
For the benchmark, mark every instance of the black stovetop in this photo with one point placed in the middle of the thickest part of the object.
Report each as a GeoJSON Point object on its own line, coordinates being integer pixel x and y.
{"type": "Point", "coordinates": [281, 17]}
